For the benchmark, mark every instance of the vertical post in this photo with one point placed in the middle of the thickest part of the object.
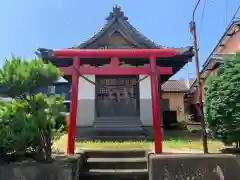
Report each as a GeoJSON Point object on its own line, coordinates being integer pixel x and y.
{"type": "Point", "coordinates": [199, 85]}
{"type": "Point", "coordinates": [73, 109]}
{"type": "Point", "coordinates": [160, 101]}
{"type": "Point", "coordinates": [155, 107]}
{"type": "Point", "coordinates": [114, 61]}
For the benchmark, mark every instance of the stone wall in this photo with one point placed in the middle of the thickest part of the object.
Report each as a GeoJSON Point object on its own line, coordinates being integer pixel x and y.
{"type": "Point", "coordinates": [193, 167]}
{"type": "Point", "coordinates": [63, 168]}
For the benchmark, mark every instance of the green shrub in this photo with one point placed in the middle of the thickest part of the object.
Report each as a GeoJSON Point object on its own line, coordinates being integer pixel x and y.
{"type": "Point", "coordinates": [222, 101]}
{"type": "Point", "coordinates": [29, 122]}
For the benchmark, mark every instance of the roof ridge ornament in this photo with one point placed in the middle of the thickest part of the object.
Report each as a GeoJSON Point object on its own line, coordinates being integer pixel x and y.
{"type": "Point", "coordinates": [116, 13]}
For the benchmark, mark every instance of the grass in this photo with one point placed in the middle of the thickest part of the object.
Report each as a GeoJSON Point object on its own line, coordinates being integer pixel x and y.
{"type": "Point", "coordinates": [213, 145]}
{"type": "Point", "coordinates": [187, 140]}
{"type": "Point", "coordinates": [177, 140]}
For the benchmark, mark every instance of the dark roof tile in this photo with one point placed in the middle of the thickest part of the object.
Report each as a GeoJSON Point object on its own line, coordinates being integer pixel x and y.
{"type": "Point", "coordinates": [180, 85]}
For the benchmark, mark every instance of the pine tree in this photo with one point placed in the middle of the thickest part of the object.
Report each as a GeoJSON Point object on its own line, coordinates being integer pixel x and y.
{"type": "Point", "coordinates": [28, 122]}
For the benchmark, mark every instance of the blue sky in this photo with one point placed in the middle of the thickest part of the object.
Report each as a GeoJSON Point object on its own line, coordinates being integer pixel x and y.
{"type": "Point", "coordinates": [26, 25]}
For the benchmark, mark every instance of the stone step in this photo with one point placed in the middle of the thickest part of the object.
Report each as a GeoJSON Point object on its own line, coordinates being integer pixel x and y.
{"type": "Point", "coordinates": [117, 132]}
{"type": "Point", "coordinates": [117, 125]}
{"type": "Point", "coordinates": [110, 137]}
{"type": "Point", "coordinates": [111, 134]}
{"type": "Point", "coordinates": [116, 163]}
{"type": "Point", "coordinates": [117, 129]}
{"type": "Point", "coordinates": [115, 153]}
{"type": "Point", "coordinates": [131, 122]}
{"type": "Point", "coordinates": [116, 174]}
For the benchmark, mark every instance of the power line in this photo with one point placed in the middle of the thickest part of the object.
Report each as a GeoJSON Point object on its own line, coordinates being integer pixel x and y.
{"type": "Point", "coordinates": [201, 21]}
{"type": "Point", "coordinates": [226, 13]}
{"type": "Point", "coordinates": [236, 13]}
{"type": "Point", "coordinates": [234, 17]}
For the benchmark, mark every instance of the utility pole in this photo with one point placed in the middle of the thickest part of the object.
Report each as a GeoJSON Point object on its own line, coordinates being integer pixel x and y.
{"type": "Point", "coordinates": [199, 83]}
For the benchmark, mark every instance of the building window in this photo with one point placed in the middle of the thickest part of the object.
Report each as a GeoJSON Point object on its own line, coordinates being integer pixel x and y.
{"type": "Point", "coordinates": [51, 89]}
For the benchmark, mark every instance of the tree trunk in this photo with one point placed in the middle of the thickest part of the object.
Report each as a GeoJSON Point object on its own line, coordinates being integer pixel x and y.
{"type": "Point", "coordinates": [48, 146]}
{"type": "Point", "coordinates": [44, 149]}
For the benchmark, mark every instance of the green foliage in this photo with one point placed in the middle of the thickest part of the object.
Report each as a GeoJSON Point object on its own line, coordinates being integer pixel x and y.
{"type": "Point", "coordinates": [30, 121]}
{"type": "Point", "coordinates": [18, 77]}
{"type": "Point", "coordinates": [222, 101]}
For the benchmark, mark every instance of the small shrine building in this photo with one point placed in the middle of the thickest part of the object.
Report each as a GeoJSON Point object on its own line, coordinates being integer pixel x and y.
{"type": "Point", "coordinates": [111, 79]}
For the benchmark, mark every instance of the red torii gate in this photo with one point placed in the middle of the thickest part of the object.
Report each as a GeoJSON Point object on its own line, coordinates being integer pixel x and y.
{"type": "Point", "coordinates": [115, 69]}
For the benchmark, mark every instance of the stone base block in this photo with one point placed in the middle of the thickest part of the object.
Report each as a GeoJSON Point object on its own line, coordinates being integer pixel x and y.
{"type": "Point", "coordinates": [193, 166]}
{"type": "Point", "coordinates": [63, 167]}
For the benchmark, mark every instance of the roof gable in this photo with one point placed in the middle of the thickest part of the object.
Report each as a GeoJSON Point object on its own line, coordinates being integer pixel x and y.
{"type": "Point", "coordinates": [232, 29]}
{"type": "Point", "coordinates": [117, 22]}
{"type": "Point", "coordinates": [119, 40]}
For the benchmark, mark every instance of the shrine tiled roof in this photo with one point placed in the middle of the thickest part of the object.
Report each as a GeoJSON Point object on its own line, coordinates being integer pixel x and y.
{"type": "Point", "coordinates": [179, 85]}
{"type": "Point", "coordinates": [117, 21]}
{"type": "Point", "coordinates": [118, 26]}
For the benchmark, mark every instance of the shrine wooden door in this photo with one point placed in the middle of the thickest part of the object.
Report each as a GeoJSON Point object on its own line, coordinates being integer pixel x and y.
{"type": "Point", "coordinates": [117, 96]}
